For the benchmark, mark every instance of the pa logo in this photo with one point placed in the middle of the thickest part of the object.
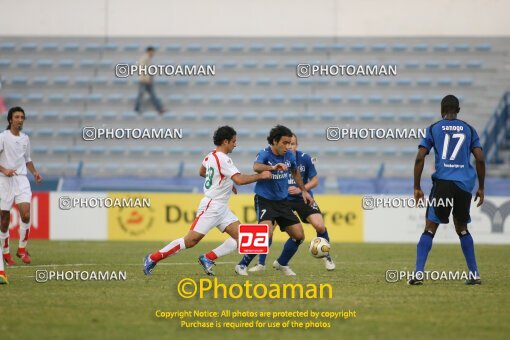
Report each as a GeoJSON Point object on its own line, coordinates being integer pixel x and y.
{"type": "Point", "coordinates": [496, 215]}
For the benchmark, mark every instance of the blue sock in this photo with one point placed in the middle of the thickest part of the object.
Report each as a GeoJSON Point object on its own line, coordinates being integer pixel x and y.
{"type": "Point", "coordinates": [262, 257]}
{"type": "Point", "coordinates": [246, 260]}
{"type": "Point", "coordinates": [468, 248]}
{"type": "Point", "coordinates": [324, 234]}
{"type": "Point", "coordinates": [422, 250]}
{"type": "Point", "coordinates": [289, 249]}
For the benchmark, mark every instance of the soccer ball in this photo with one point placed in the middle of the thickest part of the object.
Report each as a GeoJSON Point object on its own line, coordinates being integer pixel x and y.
{"type": "Point", "coordinates": [319, 247]}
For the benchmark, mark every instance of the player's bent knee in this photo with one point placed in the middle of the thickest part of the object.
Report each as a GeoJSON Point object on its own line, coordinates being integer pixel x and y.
{"type": "Point", "coordinates": [320, 228]}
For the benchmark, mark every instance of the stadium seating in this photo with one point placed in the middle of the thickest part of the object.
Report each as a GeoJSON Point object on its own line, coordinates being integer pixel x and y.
{"type": "Point", "coordinates": [70, 83]}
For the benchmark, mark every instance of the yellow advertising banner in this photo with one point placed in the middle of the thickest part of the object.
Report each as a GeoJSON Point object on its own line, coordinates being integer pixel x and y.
{"type": "Point", "coordinates": [171, 215]}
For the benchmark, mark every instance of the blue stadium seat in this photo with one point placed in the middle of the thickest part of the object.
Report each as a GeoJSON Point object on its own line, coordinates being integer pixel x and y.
{"type": "Point", "coordinates": [194, 48]}
{"type": "Point", "coordinates": [474, 64]}
{"type": "Point", "coordinates": [50, 47]}
{"type": "Point", "coordinates": [407, 116]}
{"type": "Point", "coordinates": [416, 99]}
{"type": "Point", "coordinates": [441, 48]}
{"type": "Point", "coordinates": [4, 63]}
{"type": "Point", "coordinates": [136, 150]}
{"type": "Point", "coordinates": [483, 47]}
{"type": "Point", "coordinates": [284, 82]}
{"type": "Point", "coordinates": [110, 47]}
{"type": "Point", "coordinates": [29, 47]}
{"type": "Point", "coordinates": [358, 47]}
{"type": "Point", "coordinates": [272, 64]}
{"type": "Point", "coordinates": [99, 81]}
{"type": "Point", "coordinates": [40, 81]}
{"type": "Point", "coordinates": [363, 82]}
{"type": "Point", "coordinates": [355, 98]}
{"type": "Point", "coordinates": [420, 48]}
{"type": "Point", "coordinates": [436, 99]}
{"type": "Point", "coordinates": [131, 47]}
{"type": "Point", "coordinates": [335, 98]}
{"type": "Point", "coordinates": [383, 82]}
{"type": "Point", "coordinates": [71, 47]}
{"type": "Point", "coordinates": [298, 47]}
{"type": "Point", "coordinates": [105, 63]}
{"type": "Point", "coordinates": [71, 115]}
{"type": "Point", "coordinates": [375, 99]}
{"type": "Point", "coordinates": [387, 116]}
{"type": "Point", "coordinates": [347, 116]}
{"type": "Point", "coordinates": [93, 47]}
{"type": "Point", "coordinates": [257, 48]}
{"type": "Point", "coordinates": [87, 63]}
{"type": "Point", "coordinates": [44, 63]}
{"type": "Point", "coordinates": [378, 47]}
{"type": "Point", "coordinates": [367, 116]}
{"type": "Point", "coordinates": [444, 82]}
{"type": "Point", "coordinates": [338, 47]}
{"type": "Point", "coordinates": [404, 82]}
{"type": "Point", "coordinates": [412, 64]}
{"type": "Point", "coordinates": [250, 64]}
{"type": "Point", "coordinates": [215, 48]}
{"type": "Point", "coordinates": [55, 98]}
{"type": "Point", "coordinates": [13, 96]}
{"type": "Point", "coordinates": [432, 64]}
{"type": "Point", "coordinates": [250, 115]}
{"type": "Point", "coordinates": [108, 115]}
{"type": "Point", "coordinates": [320, 48]}
{"type": "Point", "coordinates": [216, 99]}
{"type": "Point", "coordinates": [68, 132]}
{"type": "Point", "coordinates": [461, 48]}
{"type": "Point", "coordinates": [236, 48]}
{"type": "Point", "coordinates": [114, 98]}
{"type": "Point", "coordinates": [453, 64]}
{"type": "Point", "coordinates": [83, 81]}
{"type": "Point", "coordinates": [117, 150]}
{"type": "Point", "coordinates": [35, 97]}
{"type": "Point", "coordinates": [257, 99]}
{"type": "Point", "coordinates": [7, 46]}
{"type": "Point", "coordinates": [19, 81]}
{"type": "Point", "coordinates": [278, 48]}
{"type": "Point", "coordinates": [395, 99]}
{"type": "Point", "coordinates": [24, 63]}
{"type": "Point", "coordinates": [389, 152]}
{"type": "Point", "coordinates": [62, 81]}
{"type": "Point", "coordinates": [40, 149]}
{"type": "Point", "coordinates": [66, 63]}
{"type": "Point", "coordinates": [77, 98]}
{"type": "Point", "coordinates": [61, 150]}
{"type": "Point", "coordinates": [465, 82]}
{"type": "Point", "coordinates": [399, 48]}
{"type": "Point", "coordinates": [47, 115]}
{"type": "Point", "coordinates": [236, 98]}
{"type": "Point", "coordinates": [427, 116]}
{"type": "Point", "coordinates": [424, 82]}
{"type": "Point", "coordinates": [44, 132]}
{"type": "Point", "coordinates": [156, 150]}
{"type": "Point", "coordinates": [277, 99]}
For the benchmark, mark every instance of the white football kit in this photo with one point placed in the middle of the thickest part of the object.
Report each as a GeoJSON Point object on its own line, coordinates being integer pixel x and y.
{"type": "Point", "coordinates": [213, 210]}
{"type": "Point", "coordinates": [14, 154]}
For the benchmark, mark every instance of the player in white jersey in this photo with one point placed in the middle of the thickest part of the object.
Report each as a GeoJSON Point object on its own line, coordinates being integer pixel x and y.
{"type": "Point", "coordinates": [220, 175]}
{"type": "Point", "coordinates": [15, 162]}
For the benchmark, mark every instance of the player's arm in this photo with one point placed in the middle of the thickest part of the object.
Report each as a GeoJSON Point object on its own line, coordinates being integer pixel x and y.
{"type": "Point", "coordinates": [202, 171]}
{"type": "Point", "coordinates": [419, 163]}
{"type": "Point", "coordinates": [312, 183]}
{"type": "Point", "coordinates": [299, 181]}
{"type": "Point", "coordinates": [259, 167]}
{"type": "Point", "coordinates": [241, 179]}
{"type": "Point", "coordinates": [33, 171]}
{"type": "Point", "coordinates": [480, 171]}
{"type": "Point", "coordinates": [7, 172]}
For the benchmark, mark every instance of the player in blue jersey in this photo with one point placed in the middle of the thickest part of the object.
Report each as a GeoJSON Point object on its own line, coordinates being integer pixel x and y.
{"type": "Point", "coordinates": [307, 214]}
{"type": "Point", "coordinates": [271, 202]}
{"type": "Point", "coordinates": [454, 179]}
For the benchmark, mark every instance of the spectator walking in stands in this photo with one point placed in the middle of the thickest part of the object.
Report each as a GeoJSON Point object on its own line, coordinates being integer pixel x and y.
{"type": "Point", "coordinates": [146, 83]}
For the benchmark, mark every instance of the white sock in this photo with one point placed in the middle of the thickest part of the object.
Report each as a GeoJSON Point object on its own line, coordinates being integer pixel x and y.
{"type": "Point", "coordinates": [4, 242]}
{"type": "Point", "coordinates": [170, 249]}
{"type": "Point", "coordinates": [24, 230]}
{"type": "Point", "coordinates": [226, 247]}
{"type": "Point", "coordinates": [1, 265]}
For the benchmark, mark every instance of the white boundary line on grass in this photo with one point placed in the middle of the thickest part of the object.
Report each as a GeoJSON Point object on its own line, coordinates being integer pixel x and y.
{"type": "Point", "coordinates": [110, 264]}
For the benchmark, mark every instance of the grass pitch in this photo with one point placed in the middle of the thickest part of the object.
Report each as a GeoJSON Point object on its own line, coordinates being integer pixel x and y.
{"type": "Point", "coordinates": [126, 309]}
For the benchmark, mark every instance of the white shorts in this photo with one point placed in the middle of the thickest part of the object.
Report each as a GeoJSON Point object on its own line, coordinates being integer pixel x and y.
{"type": "Point", "coordinates": [212, 213]}
{"type": "Point", "coordinates": [14, 189]}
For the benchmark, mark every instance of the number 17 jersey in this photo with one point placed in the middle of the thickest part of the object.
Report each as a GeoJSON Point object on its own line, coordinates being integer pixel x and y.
{"type": "Point", "coordinates": [453, 140]}
{"type": "Point", "coordinates": [219, 170]}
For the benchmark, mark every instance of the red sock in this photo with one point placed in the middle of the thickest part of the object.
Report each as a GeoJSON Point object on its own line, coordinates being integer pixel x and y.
{"type": "Point", "coordinates": [211, 256]}
{"type": "Point", "coordinates": [21, 251]}
{"type": "Point", "coordinates": [158, 256]}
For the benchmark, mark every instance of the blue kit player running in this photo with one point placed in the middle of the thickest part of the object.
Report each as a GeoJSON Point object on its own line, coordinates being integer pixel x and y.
{"type": "Point", "coordinates": [271, 202]}
{"type": "Point", "coordinates": [454, 179]}
{"type": "Point", "coordinates": [307, 214]}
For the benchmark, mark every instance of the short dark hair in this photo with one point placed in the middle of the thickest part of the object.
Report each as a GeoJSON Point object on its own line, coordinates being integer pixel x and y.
{"type": "Point", "coordinates": [222, 133]}
{"type": "Point", "coordinates": [12, 110]}
{"type": "Point", "coordinates": [150, 49]}
{"type": "Point", "coordinates": [450, 104]}
{"type": "Point", "coordinates": [277, 133]}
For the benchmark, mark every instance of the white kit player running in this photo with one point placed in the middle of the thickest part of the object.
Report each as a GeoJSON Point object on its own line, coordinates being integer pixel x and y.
{"type": "Point", "coordinates": [15, 162]}
{"type": "Point", "coordinates": [220, 175]}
